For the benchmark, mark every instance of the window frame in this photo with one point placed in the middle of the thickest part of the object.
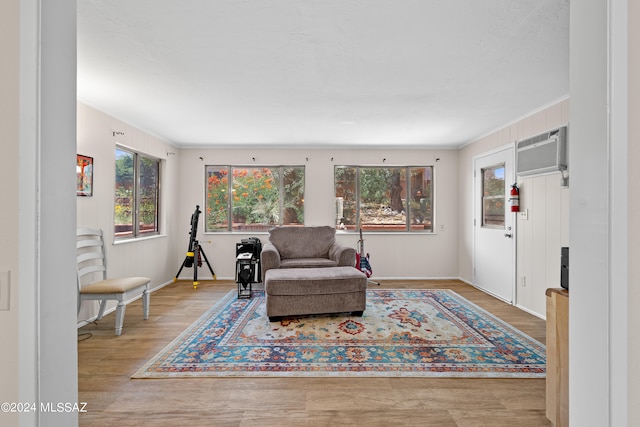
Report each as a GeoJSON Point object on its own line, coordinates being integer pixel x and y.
{"type": "Point", "coordinates": [407, 225]}
{"type": "Point", "coordinates": [486, 198]}
{"type": "Point", "coordinates": [229, 202]}
{"type": "Point", "coordinates": [136, 232]}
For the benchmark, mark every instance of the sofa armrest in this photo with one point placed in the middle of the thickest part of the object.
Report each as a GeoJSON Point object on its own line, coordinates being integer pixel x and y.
{"type": "Point", "coordinates": [269, 258]}
{"type": "Point", "coordinates": [343, 255]}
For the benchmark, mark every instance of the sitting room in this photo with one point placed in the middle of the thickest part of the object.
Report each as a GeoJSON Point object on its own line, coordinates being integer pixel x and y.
{"type": "Point", "coordinates": [372, 148]}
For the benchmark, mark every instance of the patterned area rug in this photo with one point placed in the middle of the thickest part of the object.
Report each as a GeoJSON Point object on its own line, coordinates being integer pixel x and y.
{"type": "Point", "coordinates": [419, 333]}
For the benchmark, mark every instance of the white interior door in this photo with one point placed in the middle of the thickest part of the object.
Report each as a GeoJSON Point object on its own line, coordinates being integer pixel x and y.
{"type": "Point", "coordinates": [494, 258]}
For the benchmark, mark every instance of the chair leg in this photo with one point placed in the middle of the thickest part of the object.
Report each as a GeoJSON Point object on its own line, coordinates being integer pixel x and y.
{"type": "Point", "coordinates": [145, 303]}
{"type": "Point", "coordinates": [103, 305]}
{"type": "Point", "coordinates": [120, 309]}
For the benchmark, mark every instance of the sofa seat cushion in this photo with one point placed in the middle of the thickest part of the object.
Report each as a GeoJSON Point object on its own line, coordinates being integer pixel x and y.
{"type": "Point", "coordinates": [314, 281]}
{"type": "Point", "coordinates": [307, 263]}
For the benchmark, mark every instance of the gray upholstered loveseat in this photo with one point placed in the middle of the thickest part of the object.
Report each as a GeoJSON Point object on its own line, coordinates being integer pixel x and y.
{"type": "Point", "coordinates": [304, 247]}
{"type": "Point", "coordinates": [305, 271]}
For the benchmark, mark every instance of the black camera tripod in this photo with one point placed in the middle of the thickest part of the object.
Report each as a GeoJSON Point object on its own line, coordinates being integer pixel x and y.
{"type": "Point", "coordinates": [194, 252]}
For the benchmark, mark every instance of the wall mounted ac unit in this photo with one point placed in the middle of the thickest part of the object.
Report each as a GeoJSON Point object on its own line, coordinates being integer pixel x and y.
{"type": "Point", "coordinates": [543, 153]}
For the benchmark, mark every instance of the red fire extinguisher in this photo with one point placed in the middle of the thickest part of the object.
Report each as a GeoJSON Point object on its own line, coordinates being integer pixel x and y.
{"type": "Point", "coordinates": [514, 200]}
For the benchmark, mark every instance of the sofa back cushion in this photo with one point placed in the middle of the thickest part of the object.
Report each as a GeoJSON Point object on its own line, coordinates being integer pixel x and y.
{"type": "Point", "coordinates": [303, 242]}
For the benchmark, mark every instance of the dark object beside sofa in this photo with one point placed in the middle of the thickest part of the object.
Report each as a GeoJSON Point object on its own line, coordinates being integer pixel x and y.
{"type": "Point", "coordinates": [305, 271]}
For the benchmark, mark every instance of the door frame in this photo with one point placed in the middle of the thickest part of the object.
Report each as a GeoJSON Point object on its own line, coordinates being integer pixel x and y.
{"type": "Point", "coordinates": [514, 227]}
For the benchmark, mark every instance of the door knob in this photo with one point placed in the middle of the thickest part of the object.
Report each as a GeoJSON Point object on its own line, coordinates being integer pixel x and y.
{"type": "Point", "coordinates": [507, 235]}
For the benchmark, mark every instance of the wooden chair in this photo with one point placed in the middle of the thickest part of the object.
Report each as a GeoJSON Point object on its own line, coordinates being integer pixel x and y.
{"type": "Point", "coordinates": [93, 283]}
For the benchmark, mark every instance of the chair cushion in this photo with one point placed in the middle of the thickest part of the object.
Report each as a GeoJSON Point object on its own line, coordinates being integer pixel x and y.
{"type": "Point", "coordinates": [314, 281]}
{"type": "Point", "coordinates": [307, 263]}
{"type": "Point", "coordinates": [116, 285]}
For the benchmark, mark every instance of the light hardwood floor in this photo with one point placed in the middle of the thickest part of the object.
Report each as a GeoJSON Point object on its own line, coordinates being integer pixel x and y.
{"type": "Point", "coordinates": [106, 362]}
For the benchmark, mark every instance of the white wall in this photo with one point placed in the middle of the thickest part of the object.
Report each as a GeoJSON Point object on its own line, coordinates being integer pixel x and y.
{"type": "Point", "coordinates": [632, 300]}
{"type": "Point", "coordinates": [540, 237]}
{"type": "Point", "coordinates": [38, 350]}
{"type": "Point", "coordinates": [9, 214]}
{"type": "Point", "coordinates": [393, 255]}
{"type": "Point", "coordinates": [150, 257]}
{"type": "Point", "coordinates": [621, 162]}
{"type": "Point", "coordinates": [589, 301]}
{"type": "Point", "coordinates": [603, 305]}
{"type": "Point", "coordinates": [54, 222]}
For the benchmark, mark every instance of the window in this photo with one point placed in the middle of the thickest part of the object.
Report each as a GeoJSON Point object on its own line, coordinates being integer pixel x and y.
{"type": "Point", "coordinates": [384, 198]}
{"type": "Point", "coordinates": [493, 196]}
{"type": "Point", "coordinates": [253, 198]}
{"type": "Point", "coordinates": [137, 194]}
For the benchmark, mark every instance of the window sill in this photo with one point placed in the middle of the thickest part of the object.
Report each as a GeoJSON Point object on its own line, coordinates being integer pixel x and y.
{"type": "Point", "coordinates": [386, 233]}
{"type": "Point", "coordinates": [138, 239]}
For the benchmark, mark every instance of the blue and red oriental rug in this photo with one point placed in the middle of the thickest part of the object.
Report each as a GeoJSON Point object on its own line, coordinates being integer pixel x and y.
{"type": "Point", "coordinates": [403, 333]}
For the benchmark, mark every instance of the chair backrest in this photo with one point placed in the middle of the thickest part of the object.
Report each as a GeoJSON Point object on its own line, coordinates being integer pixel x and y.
{"type": "Point", "coordinates": [303, 242]}
{"type": "Point", "coordinates": [90, 256]}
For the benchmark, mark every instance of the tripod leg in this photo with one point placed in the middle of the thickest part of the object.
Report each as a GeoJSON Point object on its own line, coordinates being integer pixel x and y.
{"type": "Point", "coordinates": [175, 279]}
{"type": "Point", "coordinates": [207, 261]}
{"type": "Point", "coordinates": [195, 266]}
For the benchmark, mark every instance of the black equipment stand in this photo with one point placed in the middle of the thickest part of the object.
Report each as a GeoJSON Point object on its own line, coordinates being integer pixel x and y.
{"type": "Point", "coordinates": [194, 252]}
{"type": "Point", "coordinates": [248, 270]}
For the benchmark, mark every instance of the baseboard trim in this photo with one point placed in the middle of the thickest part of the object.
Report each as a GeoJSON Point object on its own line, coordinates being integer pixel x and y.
{"type": "Point", "coordinates": [531, 312]}
{"type": "Point", "coordinates": [468, 282]}
{"type": "Point", "coordinates": [190, 279]}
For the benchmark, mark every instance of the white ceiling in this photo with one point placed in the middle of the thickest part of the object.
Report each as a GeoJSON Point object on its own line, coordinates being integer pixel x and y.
{"type": "Point", "coordinates": [323, 73]}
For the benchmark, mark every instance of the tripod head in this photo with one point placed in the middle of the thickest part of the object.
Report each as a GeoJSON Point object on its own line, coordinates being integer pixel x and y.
{"type": "Point", "coordinates": [194, 222]}
{"type": "Point", "coordinates": [193, 242]}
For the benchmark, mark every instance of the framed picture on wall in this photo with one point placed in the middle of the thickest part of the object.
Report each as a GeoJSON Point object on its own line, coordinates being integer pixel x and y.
{"type": "Point", "coordinates": [84, 172]}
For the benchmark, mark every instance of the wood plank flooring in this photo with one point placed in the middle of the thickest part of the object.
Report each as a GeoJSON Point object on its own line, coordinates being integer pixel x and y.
{"type": "Point", "coordinates": [106, 362]}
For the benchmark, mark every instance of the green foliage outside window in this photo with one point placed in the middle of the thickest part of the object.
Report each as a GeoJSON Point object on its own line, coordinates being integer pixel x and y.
{"type": "Point", "coordinates": [124, 202]}
{"type": "Point", "coordinates": [137, 185]}
{"type": "Point", "coordinates": [149, 184]}
{"type": "Point", "coordinates": [384, 198]}
{"type": "Point", "coordinates": [255, 198]}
